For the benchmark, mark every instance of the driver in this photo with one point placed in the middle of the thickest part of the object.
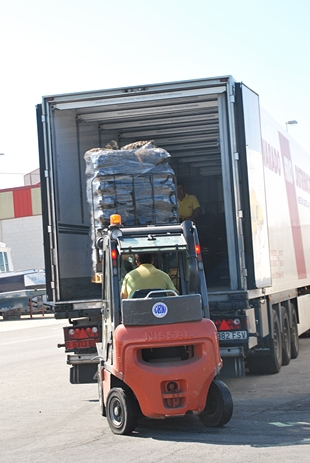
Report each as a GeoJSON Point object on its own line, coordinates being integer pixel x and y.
{"type": "Point", "coordinates": [145, 276]}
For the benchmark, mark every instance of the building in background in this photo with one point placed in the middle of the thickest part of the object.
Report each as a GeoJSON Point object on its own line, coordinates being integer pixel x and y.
{"type": "Point", "coordinates": [33, 178]}
{"type": "Point", "coordinates": [21, 223]}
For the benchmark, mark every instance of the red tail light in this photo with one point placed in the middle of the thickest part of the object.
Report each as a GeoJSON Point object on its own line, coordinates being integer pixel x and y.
{"type": "Point", "coordinates": [81, 338]}
{"type": "Point", "coordinates": [81, 333]}
{"type": "Point", "coordinates": [114, 254]}
{"type": "Point", "coordinates": [197, 249]}
{"type": "Point", "coordinates": [228, 325]}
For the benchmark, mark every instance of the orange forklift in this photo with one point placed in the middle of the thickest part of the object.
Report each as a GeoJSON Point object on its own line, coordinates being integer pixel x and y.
{"type": "Point", "coordinates": [159, 355]}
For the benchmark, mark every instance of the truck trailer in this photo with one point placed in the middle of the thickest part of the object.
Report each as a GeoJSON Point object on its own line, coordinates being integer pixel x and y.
{"type": "Point", "coordinates": [253, 184]}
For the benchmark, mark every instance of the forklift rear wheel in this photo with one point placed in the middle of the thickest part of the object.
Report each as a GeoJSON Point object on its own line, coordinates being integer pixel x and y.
{"type": "Point", "coordinates": [122, 411]}
{"type": "Point", "coordinates": [219, 406]}
{"type": "Point", "coordinates": [100, 394]}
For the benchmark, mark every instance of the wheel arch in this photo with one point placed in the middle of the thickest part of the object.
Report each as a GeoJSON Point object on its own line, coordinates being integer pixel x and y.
{"type": "Point", "coordinates": [110, 381]}
{"type": "Point", "coordinates": [290, 305]}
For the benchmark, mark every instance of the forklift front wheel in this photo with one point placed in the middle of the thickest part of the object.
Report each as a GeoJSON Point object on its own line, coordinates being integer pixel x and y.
{"type": "Point", "coordinates": [122, 411]}
{"type": "Point", "coordinates": [219, 405]}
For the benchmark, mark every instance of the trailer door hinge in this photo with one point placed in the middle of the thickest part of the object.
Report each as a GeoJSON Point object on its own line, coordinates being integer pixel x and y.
{"type": "Point", "coordinates": [240, 214]}
{"type": "Point", "coordinates": [232, 98]}
{"type": "Point", "coordinates": [43, 118]}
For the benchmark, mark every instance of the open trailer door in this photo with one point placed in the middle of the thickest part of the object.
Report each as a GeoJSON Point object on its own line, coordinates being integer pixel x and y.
{"type": "Point", "coordinates": [253, 192]}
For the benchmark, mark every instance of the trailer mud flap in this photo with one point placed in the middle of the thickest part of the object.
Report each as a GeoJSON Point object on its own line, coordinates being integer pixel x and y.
{"type": "Point", "coordinates": [83, 374]}
{"type": "Point", "coordinates": [233, 362]}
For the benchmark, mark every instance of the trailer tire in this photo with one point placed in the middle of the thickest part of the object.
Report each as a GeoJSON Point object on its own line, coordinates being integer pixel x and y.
{"type": "Point", "coordinates": [100, 394]}
{"type": "Point", "coordinates": [219, 405]}
{"type": "Point", "coordinates": [271, 364]}
{"type": "Point", "coordinates": [294, 337]}
{"type": "Point", "coordinates": [122, 411]}
{"type": "Point", "coordinates": [286, 337]}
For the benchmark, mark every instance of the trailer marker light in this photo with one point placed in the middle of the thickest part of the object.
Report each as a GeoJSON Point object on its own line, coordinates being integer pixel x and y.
{"type": "Point", "coordinates": [197, 249]}
{"type": "Point", "coordinates": [228, 325]}
{"type": "Point", "coordinates": [224, 326]}
{"type": "Point", "coordinates": [113, 254]}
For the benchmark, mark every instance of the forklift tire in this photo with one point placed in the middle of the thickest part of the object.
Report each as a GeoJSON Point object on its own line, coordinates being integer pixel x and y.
{"type": "Point", "coordinates": [100, 394]}
{"type": "Point", "coordinates": [122, 411]}
{"type": "Point", "coordinates": [271, 364]}
{"type": "Point", "coordinates": [294, 336]}
{"type": "Point", "coordinates": [219, 406]}
{"type": "Point", "coordinates": [286, 337]}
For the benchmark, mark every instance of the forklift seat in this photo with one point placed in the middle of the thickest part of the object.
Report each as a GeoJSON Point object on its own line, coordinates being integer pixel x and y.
{"type": "Point", "coordinates": [139, 293]}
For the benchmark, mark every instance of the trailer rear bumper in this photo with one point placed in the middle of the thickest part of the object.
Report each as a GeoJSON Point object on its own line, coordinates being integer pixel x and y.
{"type": "Point", "coordinates": [82, 359]}
{"type": "Point", "coordinates": [83, 368]}
{"type": "Point", "coordinates": [233, 362]}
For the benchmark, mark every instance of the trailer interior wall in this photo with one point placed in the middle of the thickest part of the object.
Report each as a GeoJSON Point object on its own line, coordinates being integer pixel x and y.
{"type": "Point", "coordinates": [70, 218]}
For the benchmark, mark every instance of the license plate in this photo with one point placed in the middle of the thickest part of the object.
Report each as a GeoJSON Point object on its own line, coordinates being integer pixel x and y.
{"type": "Point", "coordinates": [232, 335]}
{"type": "Point", "coordinates": [81, 344]}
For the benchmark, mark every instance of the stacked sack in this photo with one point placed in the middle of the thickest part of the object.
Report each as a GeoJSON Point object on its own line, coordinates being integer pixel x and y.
{"type": "Point", "coordinates": [135, 181]}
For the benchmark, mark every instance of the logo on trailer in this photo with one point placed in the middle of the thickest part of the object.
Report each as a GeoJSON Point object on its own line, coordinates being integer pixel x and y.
{"type": "Point", "coordinates": [293, 207]}
{"type": "Point", "coordinates": [159, 310]}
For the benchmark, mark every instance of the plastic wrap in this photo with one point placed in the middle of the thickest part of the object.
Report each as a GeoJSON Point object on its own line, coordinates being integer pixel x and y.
{"type": "Point", "coordinates": [135, 182]}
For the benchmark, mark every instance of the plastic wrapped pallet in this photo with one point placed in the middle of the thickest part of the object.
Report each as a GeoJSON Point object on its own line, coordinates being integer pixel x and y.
{"type": "Point", "coordinates": [135, 182]}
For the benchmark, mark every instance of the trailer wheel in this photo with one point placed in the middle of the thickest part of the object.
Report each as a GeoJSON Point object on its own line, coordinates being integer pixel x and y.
{"type": "Point", "coordinates": [122, 411]}
{"type": "Point", "coordinates": [294, 337]}
{"type": "Point", "coordinates": [275, 360]}
{"type": "Point", "coordinates": [219, 405]}
{"type": "Point", "coordinates": [100, 394]}
{"type": "Point", "coordinates": [286, 337]}
{"type": "Point", "coordinates": [267, 365]}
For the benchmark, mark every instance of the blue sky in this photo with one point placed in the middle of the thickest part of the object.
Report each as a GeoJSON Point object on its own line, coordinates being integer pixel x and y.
{"type": "Point", "coordinates": [62, 46]}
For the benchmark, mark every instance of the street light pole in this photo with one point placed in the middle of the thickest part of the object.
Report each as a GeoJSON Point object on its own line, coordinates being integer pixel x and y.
{"type": "Point", "coordinates": [287, 123]}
